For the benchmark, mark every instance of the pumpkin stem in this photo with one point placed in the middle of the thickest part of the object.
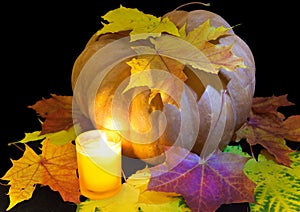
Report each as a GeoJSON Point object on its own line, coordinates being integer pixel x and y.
{"type": "Point", "coordinates": [190, 3]}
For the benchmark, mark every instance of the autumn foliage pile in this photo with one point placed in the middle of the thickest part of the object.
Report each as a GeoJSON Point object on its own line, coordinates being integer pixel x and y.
{"type": "Point", "coordinates": [268, 180]}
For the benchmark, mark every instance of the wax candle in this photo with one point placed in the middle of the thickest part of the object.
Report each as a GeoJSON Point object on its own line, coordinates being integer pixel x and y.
{"type": "Point", "coordinates": [99, 163]}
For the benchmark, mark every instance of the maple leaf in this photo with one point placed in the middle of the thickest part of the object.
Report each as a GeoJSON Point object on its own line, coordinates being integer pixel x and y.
{"type": "Point", "coordinates": [270, 105]}
{"type": "Point", "coordinates": [222, 57]}
{"type": "Point", "coordinates": [140, 24]}
{"type": "Point", "coordinates": [57, 111]}
{"type": "Point", "coordinates": [236, 150]}
{"type": "Point", "coordinates": [59, 138]}
{"type": "Point", "coordinates": [160, 66]}
{"type": "Point", "coordinates": [204, 34]}
{"type": "Point", "coordinates": [59, 115]}
{"type": "Point", "coordinates": [269, 128]}
{"type": "Point", "coordinates": [205, 186]}
{"type": "Point", "coordinates": [24, 175]}
{"type": "Point", "coordinates": [205, 38]}
{"type": "Point", "coordinates": [32, 136]}
{"type": "Point", "coordinates": [292, 128]}
{"type": "Point", "coordinates": [56, 167]}
{"type": "Point", "coordinates": [59, 170]}
{"type": "Point", "coordinates": [62, 137]}
{"type": "Point", "coordinates": [150, 71]}
{"type": "Point", "coordinates": [278, 187]}
{"type": "Point", "coordinates": [134, 197]}
{"type": "Point", "coordinates": [177, 49]}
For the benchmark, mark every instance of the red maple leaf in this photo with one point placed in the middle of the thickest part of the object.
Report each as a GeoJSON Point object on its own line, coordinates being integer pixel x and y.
{"type": "Point", "coordinates": [58, 113]}
{"type": "Point", "coordinates": [269, 128]}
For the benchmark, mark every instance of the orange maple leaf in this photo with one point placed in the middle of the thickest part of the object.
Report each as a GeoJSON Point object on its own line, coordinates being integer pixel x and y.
{"type": "Point", "coordinates": [292, 126]}
{"type": "Point", "coordinates": [56, 167]}
{"type": "Point", "coordinates": [59, 170]}
{"type": "Point", "coordinates": [269, 128]}
{"type": "Point", "coordinates": [222, 57]}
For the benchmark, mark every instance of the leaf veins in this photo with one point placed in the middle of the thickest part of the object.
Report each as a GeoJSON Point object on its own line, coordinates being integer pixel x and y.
{"type": "Point", "coordinates": [204, 186]}
{"type": "Point", "coordinates": [269, 128]}
{"type": "Point", "coordinates": [56, 167]}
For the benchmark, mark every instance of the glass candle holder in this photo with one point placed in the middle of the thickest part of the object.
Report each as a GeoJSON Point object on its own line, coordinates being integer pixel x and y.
{"type": "Point", "coordinates": [99, 163]}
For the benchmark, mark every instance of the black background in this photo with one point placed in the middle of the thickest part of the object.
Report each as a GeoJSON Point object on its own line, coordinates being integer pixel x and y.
{"type": "Point", "coordinates": [40, 41]}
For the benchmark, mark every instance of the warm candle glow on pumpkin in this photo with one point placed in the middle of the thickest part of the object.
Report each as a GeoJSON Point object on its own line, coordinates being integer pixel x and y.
{"type": "Point", "coordinates": [99, 163]}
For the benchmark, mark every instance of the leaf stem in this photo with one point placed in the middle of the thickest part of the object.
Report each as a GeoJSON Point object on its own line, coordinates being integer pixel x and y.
{"type": "Point", "coordinates": [14, 144]}
{"type": "Point", "coordinates": [3, 184]}
{"type": "Point", "coordinates": [251, 150]}
{"type": "Point", "coordinates": [124, 176]}
{"type": "Point", "coordinates": [190, 3]}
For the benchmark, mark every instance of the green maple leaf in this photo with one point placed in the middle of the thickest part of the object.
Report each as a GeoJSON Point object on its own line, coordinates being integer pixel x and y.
{"type": "Point", "coordinates": [278, 186]}
{"type": "Point", "coordinates": [59, 138]}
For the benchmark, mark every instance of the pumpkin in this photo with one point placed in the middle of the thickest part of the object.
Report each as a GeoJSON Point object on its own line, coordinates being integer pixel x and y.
{"type": "Point", "coordinates": [220, 113]}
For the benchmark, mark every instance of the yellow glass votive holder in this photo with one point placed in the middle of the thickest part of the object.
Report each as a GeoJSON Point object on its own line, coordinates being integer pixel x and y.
{"type": "Point", "coordinates": [99, 162]}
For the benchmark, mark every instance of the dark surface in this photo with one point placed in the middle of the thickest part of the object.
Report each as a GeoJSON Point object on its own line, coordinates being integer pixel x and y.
{"type": "Point", "coordinates": [45, 200]}
{"type": "Point", "coordinates": [41, 40]}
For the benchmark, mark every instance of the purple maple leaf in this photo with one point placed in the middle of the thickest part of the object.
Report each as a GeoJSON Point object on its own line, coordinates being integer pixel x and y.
{"type": "Point", "coordinates": [205, 185]}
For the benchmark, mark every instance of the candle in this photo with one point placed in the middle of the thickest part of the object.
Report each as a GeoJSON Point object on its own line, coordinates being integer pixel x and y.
{"type": "Point", "coordinates": [99, 163]}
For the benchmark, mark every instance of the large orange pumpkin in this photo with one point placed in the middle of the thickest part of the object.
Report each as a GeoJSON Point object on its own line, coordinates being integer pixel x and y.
{"type": "Point", "coordinates": [237, 99]}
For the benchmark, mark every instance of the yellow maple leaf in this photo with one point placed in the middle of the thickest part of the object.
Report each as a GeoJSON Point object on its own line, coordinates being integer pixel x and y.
{"type": "Point", "coordinates": [32, 136]}
{"type": "Point", "coordinates": [138, 65]}
{"type": "Point", "coordinates": [56, 167]}
{"type": "Point", "coordinates": [140, 181]}
{"type": "Point", "coordinates": [134, 196]}
{"type": "Point", "coordinates": [59, 138]}
{"type": "Point", "coordinates": [204, 33]}
{"type": "Point", "coordinates": [142, 74]}
{"type": "Point", "coordinates": [140, 24]}
{"type": "Point", "coordinates": [24, 175]}
{"type": "Point", "coordinates": [204, 37]}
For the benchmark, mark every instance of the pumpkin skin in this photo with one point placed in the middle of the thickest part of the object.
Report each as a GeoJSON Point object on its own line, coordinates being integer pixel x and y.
{"type": "Point", "coordinates": [240, 85]}
{"type": "Point", "coordinates": [239, 88]}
